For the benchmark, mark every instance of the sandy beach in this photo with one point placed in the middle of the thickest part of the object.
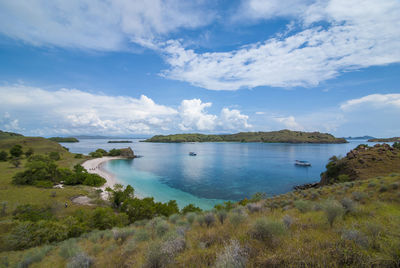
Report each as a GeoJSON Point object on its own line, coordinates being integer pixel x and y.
{"type": "Point", "coordinates": [96, 166]}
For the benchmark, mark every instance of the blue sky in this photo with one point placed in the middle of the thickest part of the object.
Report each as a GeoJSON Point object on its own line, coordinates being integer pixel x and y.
{"type": "Point", "coordinates": [157, 67]}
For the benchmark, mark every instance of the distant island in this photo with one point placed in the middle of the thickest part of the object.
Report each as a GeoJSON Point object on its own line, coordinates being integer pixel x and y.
{"type": "Point", "coordinates": [394, 139]}
{"type": "Point", "coordinates": [282, 136]}
{"type": "Point", "coordinates": [64, 139]}
{"type": "Point", "coordinates": [359, 138]}
{"type": "Point", "coordinates": [119, 141]}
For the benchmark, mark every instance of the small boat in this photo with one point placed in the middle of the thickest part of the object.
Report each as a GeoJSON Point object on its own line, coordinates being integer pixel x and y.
{"type": "Point", "coordinates": [302, 163]}
{"type": "Point", "coordinates": [192, 154]}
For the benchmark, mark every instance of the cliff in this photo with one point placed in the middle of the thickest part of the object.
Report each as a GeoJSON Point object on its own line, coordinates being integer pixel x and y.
{"type": "Point", "coordinates": [127, 152]}
{"type": "Point", "coordinates": [363, 162]}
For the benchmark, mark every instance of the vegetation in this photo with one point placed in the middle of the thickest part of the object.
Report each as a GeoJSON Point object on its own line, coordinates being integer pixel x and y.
{"type": "Point", "coordinates": [394, 139]}
{"type": "Point", "coordinates": [64, 139]}
{"type": "Point", "coordinates": [125, 152]}
{"type": "Point", "coordinates": [283, 136]}
{"type": "Point", "coordinates": [119, 141]}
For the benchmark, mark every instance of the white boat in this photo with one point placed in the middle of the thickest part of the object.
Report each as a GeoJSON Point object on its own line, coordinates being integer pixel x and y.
{"type": "Point", "coordinates": [302, 163]}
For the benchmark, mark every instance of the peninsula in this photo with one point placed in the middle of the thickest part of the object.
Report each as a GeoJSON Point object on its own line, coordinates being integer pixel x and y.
{"type": "Point", "coordinates": [281, 136]}
{"type": "Point", "coordinates": [64, 139]}
{"type": "Point", "coordinates": [394, 139]}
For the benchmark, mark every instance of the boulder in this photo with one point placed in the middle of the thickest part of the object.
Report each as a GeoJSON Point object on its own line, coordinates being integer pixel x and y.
{"type": "Point", "coordinates": [127, 152]}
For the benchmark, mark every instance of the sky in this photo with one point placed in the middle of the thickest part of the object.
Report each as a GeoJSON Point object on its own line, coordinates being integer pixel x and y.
{"type": "Point", "coordinates": [126, 68]}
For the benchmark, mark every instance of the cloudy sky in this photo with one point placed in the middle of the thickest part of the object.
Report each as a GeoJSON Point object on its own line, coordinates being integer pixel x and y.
{"type": "Point", "coordinates": [155, 67]}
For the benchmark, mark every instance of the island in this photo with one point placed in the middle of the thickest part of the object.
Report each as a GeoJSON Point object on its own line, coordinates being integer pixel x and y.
{"type": "Point", "coordinates": [119, 141]}
{"type": "Point", "coordinates": [281, 136]}
{"type": "Point", "coordinates": [394, 139]}
{"type": "Point", "coordinates": [64, 139]}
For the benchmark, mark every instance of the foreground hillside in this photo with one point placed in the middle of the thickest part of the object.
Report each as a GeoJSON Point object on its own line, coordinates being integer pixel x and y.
{"type": "Point", "coordinates": [282, 136]}
{"type": "Point", "coordinates": [347, 224]}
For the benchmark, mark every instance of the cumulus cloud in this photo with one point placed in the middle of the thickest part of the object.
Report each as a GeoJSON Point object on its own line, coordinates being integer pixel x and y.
{"type": "Point", "coordinates": [373, 101]}
{"type": "Point", "coordinates": [69, 111]}
{"type": "Point", "coordinates": [358, 34]}
{"type": "Point", "coordinates": [9, 123]}
{"type": "Point", "coordinates": [289, 123]}
{"type": "Point", "coordinates": [97, 24]}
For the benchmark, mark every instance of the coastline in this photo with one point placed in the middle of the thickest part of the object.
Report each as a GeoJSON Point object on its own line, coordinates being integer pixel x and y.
{"type": "Point", "coordinates": [95, 166]}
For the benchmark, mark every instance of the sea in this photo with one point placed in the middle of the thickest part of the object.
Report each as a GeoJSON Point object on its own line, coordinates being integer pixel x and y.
{"type": "Point", "coordinates": [223, 171]}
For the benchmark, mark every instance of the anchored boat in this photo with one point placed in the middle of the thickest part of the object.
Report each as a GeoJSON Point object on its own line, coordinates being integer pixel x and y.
{"type": "Point", "coordinates": [192, 154]}
{"type": "Point", "coordinates": [302, 163]}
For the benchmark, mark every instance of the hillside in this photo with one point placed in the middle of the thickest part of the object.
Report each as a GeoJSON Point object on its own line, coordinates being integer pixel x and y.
{"type": "Point", "coordinates": [282, 136]}
{"type": "Point", "coordinates": [5, 134]}
{"type": "Point", "coordinates": [394, 139]}
{"type": "Point", "coordinates": [363, 162]}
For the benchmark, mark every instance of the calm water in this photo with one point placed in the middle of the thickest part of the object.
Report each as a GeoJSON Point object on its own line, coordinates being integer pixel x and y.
{"type": "Point", "coordinates": [219, 172]}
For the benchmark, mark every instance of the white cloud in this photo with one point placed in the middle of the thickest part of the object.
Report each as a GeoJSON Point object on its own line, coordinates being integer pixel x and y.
{"type": "Point", "coordinates": [358, 34]}
{"type": "Point", "coordinates": [289, 123]}
{"type": "Point", "coordinates": [71, 111]}
{"type": "Point", "coordinates": [194, 116]}
{"type": "Point", "coordinates": [97, 24]}
{"type": "Point", "coordinates": [373, 101]}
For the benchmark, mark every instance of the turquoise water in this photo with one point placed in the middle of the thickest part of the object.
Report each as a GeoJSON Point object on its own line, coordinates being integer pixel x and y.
{"type": "Point", "coordinates": [219, 172]}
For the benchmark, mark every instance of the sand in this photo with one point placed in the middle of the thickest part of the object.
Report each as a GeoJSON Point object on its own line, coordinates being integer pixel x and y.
{"type": "Point", "coordinates": [95, 166]}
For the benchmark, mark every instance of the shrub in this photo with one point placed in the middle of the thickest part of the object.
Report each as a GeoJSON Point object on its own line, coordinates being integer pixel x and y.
{"type": "Point", "coordinates": [209, 219]}
{"type": "Point", "coordinates": [3, 208]}
{"type": "Point", "coordinates": [266, 230]}
{"type": "Point", "coordinates": [141, 235]}
{"type": "Point", "coordinates": [356, 236]}
{"type": "Point", "coordinates": [162, 228]}
{"type": "Point", "coordinates": [302, 205]}
{"type": "Point", "coordinates": [191, 216]}
{"type": "Point", "coordinates": [174, 218]}
{"type": "Point", "coordinates": [15, 162]}
{"type": "Point", "coordinates": [172, 246]}
{"type": "Point", "coordinates": [3, 156]}
{"type": "Point", "coordinates": [258, 197]}
{"type": "Point", "coordinates": [33, 256]}
{"type": "Point", "coordinates": [130, 246]}
{"type": "Point", "coordinates": [16, 151]}
{"type": "Point", "coordinates": [221, 215]}
{"type": "Point", "coordinates": [155, 257]}
{"type": "Point", "coordinates": [29, 152]}
{"type": "Point", "coordinates": [81, 260]}
{"type": "Point", "coordinates": [287, 220]}
{"type": "Point", "coordinates": [190, 208]}
{"type": "Point", "coordinates": [54, 156]}
{"type": "Point", "coordinates": [121, 234]}
{"type": "Point", "coordinates": [359, 196]}
{"type": "Point", "coordinates": [93, 180]}
{"type": "Point", "coordinates": [394, 186]}
{"type": "Point", "coordinates": [237, 218]}
{"type": "Point", "coordinates": [69, 249]}
{"type": "Point", "coordinates": [254, 207]}
{"type": "Point", "coordinates": [332, 210]}
{"type": "Point", "coordinates": [371, 185]}
{"type": "Point", "coordinates": [383, 189]}
{"type": "Point", "coordinates": [44, 184]}
{"type": "Point", "coordinates": [78, 156]}
{"type": "Point", "coordinates": [200, 219]}
{"type": "Point", "coordinates": [348, 205]}
{"type": "Point", "coordinates": [233, 256]}
{"type": "Point", "coordinates": [343, 178]}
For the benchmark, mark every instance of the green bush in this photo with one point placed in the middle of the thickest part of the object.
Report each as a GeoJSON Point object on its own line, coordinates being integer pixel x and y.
{"type": "Point", "coordinates": [162, 228]}
{"type": "Point", "coordinates": [190, 208]}
{"type": "Point", "coordinates": [81, 260]}
{"type": "Point", "coordinates": [69, 249]}
{"type": "Point", "coordinates": [78, 156]}
{"type": "Point", "coordinates": [44, 184]}
{"type": "Point", "coordinates": [303, 206]}
{"type": "Point", "coordinates": [343, 178]}
{"type": "Point", "coordinates": [209, 219]}
{"type": "Point", "coordinates": [93, 180]}
{"type": "Point", "coordinates": [236, 219]}
{"type": "Point", "coordinates": [141, 235]}
{"type": "Point", "coordinates": [266, 230]}
{"type": "Point", "coordinates": [114, 152]}
{"type": "Point", "coordinates": [191, 216]}
{"type": "Point", "coordinates": [34, 256]}
{"type": "Point", "coordinates": [29, 152]}
{"type": "Point", "coordinates": [221, 215]}
{"type": "Point", "coordinates": [16, 151]}
{"type": "Point", "coordinates": [332, 210]}
{"type": "Point", "coordinates": [54, 156]}
{"type": "Point", "coordinates": [3, 156]}
{"type": "Point", "coordinates": [32, 213]}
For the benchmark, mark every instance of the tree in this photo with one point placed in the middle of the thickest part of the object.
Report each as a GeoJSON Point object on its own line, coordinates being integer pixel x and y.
{"type": "Point", "coordinates": [119, 194]}
{"type": "Point", "coordinates": [3, 156]}
{"type": "Point", "coordinates": [16, 150]}
{"type": "Point", "coordinates": [190, 208]}
{"type": "Point", "coordinates": [54, 156]}
{"type": "Point", "coordinates": [29, 152]}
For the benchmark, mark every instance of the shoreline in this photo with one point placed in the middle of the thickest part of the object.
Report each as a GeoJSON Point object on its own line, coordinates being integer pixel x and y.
{"type": "Point", "coordinates": [95, 166]}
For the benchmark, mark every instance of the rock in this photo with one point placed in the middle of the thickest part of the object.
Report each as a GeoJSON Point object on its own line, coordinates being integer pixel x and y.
{"type": "Point", "coordinates": [127, 152]}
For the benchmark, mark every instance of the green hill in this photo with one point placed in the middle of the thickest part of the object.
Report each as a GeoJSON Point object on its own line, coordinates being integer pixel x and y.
{"type": "Point", "coordinates": [64, 139]}
{"type": "Point", "coordinates": [5, 134]}
{"type": "Point", "coordinates": [282, 136]}
{"type": "Point", "coordinates": [394, 139]}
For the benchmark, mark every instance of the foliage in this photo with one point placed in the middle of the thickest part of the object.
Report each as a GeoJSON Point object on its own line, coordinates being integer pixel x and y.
{"type": "Point", "coordinates": [29, 152]}
{"type": "Point", "coordinates": [222, 215]}
{"type": "Point", "coordinates": [54, 156]}
{"type": "Point", "coordinates": [114, 152]}
{"type": "Point", "coordinates": [190, 208]}
{"type": "Point", "coordinates": [3, 156]}
{"type": "Point", "coordinates": [273, 136]}
{"type": "Point", "coordinates": [233, 256]}
{"type": "Point", "coordinates": [333, 210]}
{"type": "Point", "coordinates": [209, 219]}
{"type": "Point", "coordinates": [64, 139]}
{"type": "Point", "coordinates": [266, 229]}
{"type": "Point", "coordinates": [258, 197]}
{"type": "Point", "coordinates": [32, 213]}
{"type": "Point", "coordinates": [303, 205]}
{"type": "Point", "coordinates": [15, 162]}
{"type": "Point", "coordinates": [81, 260]}
{"type": "Point", "coordinates": [16, 150]}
